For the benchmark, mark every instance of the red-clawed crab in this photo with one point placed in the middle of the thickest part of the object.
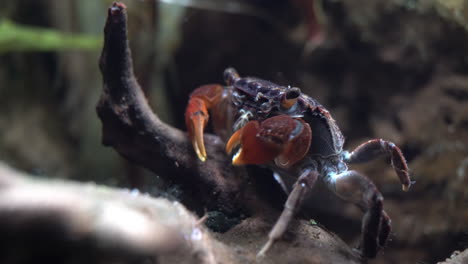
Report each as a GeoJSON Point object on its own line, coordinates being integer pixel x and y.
{"type": "Point", "coordinates": [291, 133]}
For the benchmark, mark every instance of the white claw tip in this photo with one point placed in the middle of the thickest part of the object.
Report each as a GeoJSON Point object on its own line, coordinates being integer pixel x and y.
{"type": "Point", "coordinates": [201, 153]}
{"type": "Point", "coordinates": [405, 187]}
{"type": "Point", "coordinates": [236, 159]}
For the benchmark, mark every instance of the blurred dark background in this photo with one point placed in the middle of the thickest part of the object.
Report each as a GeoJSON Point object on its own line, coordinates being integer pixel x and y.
{"type": "Point", "coordinates": [385, 69]}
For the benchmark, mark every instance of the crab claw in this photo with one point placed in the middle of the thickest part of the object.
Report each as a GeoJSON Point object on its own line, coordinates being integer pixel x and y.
{"type": "Point", "coordinates": [253, 150]}
{"type": "Point", "coordinates": [295, 134]}
{"type": "Point", "coordinates": [281, 139]}
{"type": "Point", "coordinates": [196, 118]}
{"type": "Point", "coordinates": [196, 115]}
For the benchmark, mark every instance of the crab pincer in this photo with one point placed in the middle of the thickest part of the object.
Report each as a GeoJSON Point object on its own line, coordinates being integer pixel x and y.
{"type": "Point", "coordinates": [196, 114]}
{"type": "Point", "coordinates": [282, 139]}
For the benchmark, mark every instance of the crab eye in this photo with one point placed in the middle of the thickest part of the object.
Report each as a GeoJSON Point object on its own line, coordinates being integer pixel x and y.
{"type": "Point", "coordinates": [290, 97]}
{"type": "Point", "coordinates": [230, 76]}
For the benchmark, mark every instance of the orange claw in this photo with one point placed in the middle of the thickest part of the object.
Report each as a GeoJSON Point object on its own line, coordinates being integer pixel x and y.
{"type": "Point", "coordinates": [297, 146]}
{"type": "Point", "coordinates": [196, 114]}
{"type": "Point", "coordinates": [253, 149]}
{"type": "Point", "coordinates": [281, 138]}
{"type": "Point", "coordinates": [196, 117]}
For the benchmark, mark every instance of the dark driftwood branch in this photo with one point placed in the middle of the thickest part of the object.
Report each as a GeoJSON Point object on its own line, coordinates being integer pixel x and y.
{"type": "Point", "coordinates": [51, 221]}
{"type": "Point", "coordinates": [130, 126]}
{"type": "Point", "coordinates": [43, 221]}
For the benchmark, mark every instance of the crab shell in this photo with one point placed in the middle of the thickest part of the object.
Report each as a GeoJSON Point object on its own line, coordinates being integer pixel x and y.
{"type": "Point", "coordinates": [256, 99]}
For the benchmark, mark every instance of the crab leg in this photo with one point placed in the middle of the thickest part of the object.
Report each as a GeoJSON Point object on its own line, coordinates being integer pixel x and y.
{"type": "Point", "coordinates": [376, 148]}
{"type": "Point", "coordinates": [196, 114]}
{"type": "Point", "coordinates": [304, 183]}
{"type": "Point", "coordinates": [281, 139]}
{"type": "Point", "coordinates": [358, 189]}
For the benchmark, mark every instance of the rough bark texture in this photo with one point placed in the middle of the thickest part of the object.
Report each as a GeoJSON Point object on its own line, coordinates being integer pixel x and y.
{"type": "Point", "coordinates": [45, 221]}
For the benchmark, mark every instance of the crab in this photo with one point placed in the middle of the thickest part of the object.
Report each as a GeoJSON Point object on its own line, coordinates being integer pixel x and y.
{"type": "Point", "coordinates": [281, 128]}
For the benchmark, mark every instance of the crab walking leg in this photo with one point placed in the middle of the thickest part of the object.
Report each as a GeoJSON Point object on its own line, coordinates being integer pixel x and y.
{"type": "Point", "coordinates": [196, 114]}
{"type": "Point", "coordinates": [355, 187]}
{"type": "Point", "coordinates": [376, 148]}
{"type": "Point", "coordinates": [304, 183]}
{"type": "Point", "coordinates": [385, 229]}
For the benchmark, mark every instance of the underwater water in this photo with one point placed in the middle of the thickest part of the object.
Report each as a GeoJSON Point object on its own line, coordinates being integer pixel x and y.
{"type": "Point", "coordinates": [393, 70]}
